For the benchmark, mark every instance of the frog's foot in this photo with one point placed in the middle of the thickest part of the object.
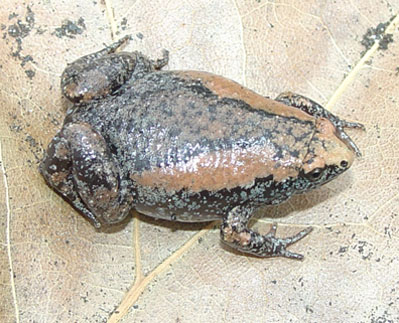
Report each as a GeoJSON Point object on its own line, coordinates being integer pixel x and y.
{"type": "Point", "coordinates": [99, 74]}
{"type": "Point", "coordinates": [235, 232]}
{"type": "Point", "coordinates": [56, 168]}
{"type": "Point", "coordinates": [79, 167]}
{"type": "Point", "coordinates": [161, 62]}
{"type": "Point", "coordinates": [316, 110]}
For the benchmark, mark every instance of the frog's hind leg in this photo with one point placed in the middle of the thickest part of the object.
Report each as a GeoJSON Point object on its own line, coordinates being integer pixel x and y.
{"type": "Point", "coordinates": [56, 168]}
{"type": "Point", "coordinates": [80, 168]}
{"type": "Point", "coordinates": [316, 110]}
{"type": "Point", "coordinates": [104, 72]}
{"type": "Point", "coordinates": [235, 232]}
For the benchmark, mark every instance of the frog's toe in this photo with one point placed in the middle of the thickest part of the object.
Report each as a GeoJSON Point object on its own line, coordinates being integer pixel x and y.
{"type": "Point", "coordinates": [161, 62]}
{"type": "Point", "coordinates": [297, 237]}
{"type": "Point", "coordinates": [291, 255]}
{"type": "Point", "coordinates": [272, 231]}
{"type": "Point", "coordinates": [279, 245]}
{"type": "Point", "coordinates": [356, 125]}
{"type": "Point", "coordinates": [235, 232]}
{"type": "Point", "coordinates": [346, 139]}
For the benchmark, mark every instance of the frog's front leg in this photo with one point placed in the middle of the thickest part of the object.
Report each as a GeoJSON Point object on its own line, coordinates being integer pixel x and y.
{"type": "Point", "coordinates": [104, 72]}
{"type": "Point", "coordinates": [235, 232]}
{"type": "Point", "coordinates": [316, 110]}
{"type": "Point", "coordinates": [79, 167]}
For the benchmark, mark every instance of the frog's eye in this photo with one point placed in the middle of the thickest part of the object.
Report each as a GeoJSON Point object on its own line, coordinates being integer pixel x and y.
{"type": "Point", "coordinates": [315, 174]}
{"type": "Point", "coordinates": [344, 164]}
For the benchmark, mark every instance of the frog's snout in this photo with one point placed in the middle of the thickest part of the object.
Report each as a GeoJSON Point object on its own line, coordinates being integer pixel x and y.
{"type": "Point", "coordinates": [328, 149]}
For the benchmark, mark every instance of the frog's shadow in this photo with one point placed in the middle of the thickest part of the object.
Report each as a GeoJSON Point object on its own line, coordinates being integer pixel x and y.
{"type": "Point", "coordinates": [295, 204]}
{"type": "Point", "coordinates": [171, 225]}
{"type": "Point", "coordinates": [319, 195]}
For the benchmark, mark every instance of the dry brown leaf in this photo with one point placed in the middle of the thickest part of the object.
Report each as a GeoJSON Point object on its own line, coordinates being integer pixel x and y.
{"type": "Point", "coordinates": [55, 267]}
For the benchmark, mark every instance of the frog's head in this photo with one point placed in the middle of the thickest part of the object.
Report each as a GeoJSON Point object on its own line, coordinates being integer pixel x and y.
{"type": "Point", "coordinates": [328, 156]}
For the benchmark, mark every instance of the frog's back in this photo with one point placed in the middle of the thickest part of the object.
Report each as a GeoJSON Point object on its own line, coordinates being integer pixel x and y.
{"type": "Point", "coordinates": [198, 131]}
{"type": "Point", "coordinates": [187, 135]}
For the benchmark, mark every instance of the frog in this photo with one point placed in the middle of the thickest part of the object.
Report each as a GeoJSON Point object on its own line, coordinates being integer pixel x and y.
{"type": "Point", "coordinates": [188, 146]}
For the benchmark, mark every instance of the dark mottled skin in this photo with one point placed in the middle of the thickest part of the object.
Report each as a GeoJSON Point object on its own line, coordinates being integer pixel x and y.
{"type": "Point", "coordinates": [188, 146]}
